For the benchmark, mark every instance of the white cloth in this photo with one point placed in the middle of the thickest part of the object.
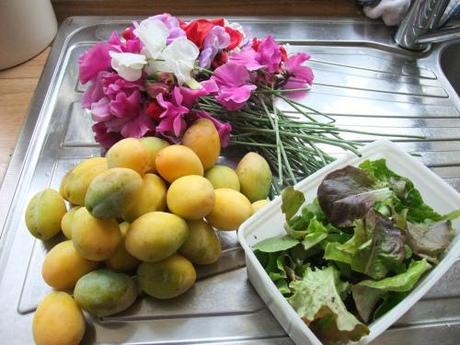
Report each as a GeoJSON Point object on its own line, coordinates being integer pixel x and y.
{"type": "Point", "coordinates": [391, 11]}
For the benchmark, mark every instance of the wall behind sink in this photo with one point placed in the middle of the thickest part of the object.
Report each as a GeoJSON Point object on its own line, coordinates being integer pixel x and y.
{"type": "Point", "coordinates": [334, 8]}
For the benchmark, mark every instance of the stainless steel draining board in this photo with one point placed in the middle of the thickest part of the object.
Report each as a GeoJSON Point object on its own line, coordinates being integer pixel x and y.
{"type": "Point", "coordinates": [361, 79]}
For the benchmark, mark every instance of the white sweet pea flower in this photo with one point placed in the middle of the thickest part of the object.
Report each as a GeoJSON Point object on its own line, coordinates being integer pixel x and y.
{"type": "Point", "coordinates": [178, 58]}
{"type": "Point", "coordinates": [128, 65]}
{"type": "Point", "coordinates": [153, 34]}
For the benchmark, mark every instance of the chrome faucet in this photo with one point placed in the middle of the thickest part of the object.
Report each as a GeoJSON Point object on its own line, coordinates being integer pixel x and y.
{"type": "Point", "coordinates": [421, 25]}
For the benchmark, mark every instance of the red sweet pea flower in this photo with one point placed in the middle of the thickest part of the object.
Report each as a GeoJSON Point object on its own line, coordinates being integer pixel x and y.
{"type": "Point", "coordinates": [197, 30]}
{"type": "Point", "coordinates": [284, 55]}
{"type": "Point", "coordinates": [255, 44]}
{"type": "Point", "coordinates": [220, 59]}
{"type": "Point", "coordinates": [154, 110]}
{"type": "Point", "coordinates": [235, 37]}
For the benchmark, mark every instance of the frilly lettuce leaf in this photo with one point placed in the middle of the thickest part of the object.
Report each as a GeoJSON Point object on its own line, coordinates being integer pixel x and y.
{"type": "Point", "coordinates": [376, 247]}
{"type": "Point", "coordinates": [316, 298]}
{"type": "Point", "coordinates": [406, 195]}
{"type": "Point", "coordinates": [347, 194]}
{"type": "Point", "coordinates": [368, 293]}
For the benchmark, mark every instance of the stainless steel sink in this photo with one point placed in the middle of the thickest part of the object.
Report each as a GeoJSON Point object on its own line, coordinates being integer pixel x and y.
{"type": "Point", "coordinates": [450, 64]}
{"type": "Point", "coordinates": [362, 79]}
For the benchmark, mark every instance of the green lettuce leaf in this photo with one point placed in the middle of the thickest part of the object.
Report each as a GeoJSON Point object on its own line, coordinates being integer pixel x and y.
{"type": "Point", "coordinates": [316, 298]}
{"type": "Point", "coordinates": [406, 195]}
{"type": "Point", "coordinates": [316, 232]}
{"type": "Point", "coordinates": [376, 248]}
{"type": "Point", "coordinates": [368, 293]}
{"type": "Point", "coordinates": [291, 201]}
{"type": "Point", "coordinates": [297, 226]}
{"type": "Point", "coordinates": [276, 244]}
{"type": "Point", "coordinates": [402, 282]}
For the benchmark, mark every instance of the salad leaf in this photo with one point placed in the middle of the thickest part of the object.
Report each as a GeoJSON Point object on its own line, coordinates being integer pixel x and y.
{"type": "Point", "coordinates": [367, 293]}
{"type": "Point", "coordinates": [297, 227]}
{"type": "Point", "coordinates": [429, 239]}
{"type": "Point", "coordinates": [376, 247]}
{"type": "Point", "coordinates": [406, 195]}
{"type": "Point", "coordinates": [291, 201]}
{"type": "Point", "coordinates": [347, 194]}
{"type": "Point", "coordinates": [390, 300]}
{"type": "Point", "coordinates": [316, 298]}
{"type": "Point", "coordinates": [276, 244]}
{"type": "Point", "coordinates": [316, 232]}
{"type": "Point", "coordinates": [345, 252]}
{"type": "Point", "coordinates": [387, 248]}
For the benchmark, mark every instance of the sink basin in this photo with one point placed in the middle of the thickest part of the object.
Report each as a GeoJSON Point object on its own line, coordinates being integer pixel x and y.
{"type": "Point", "coordinates": [362, 80]}
{"type": "Point", "coordinates": [450, 65]}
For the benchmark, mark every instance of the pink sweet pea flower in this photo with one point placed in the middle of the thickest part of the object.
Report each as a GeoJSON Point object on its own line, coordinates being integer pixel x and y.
{"type": "Point", "coordinates": [234, 88]}
{"type": "Point", "coordinates": [264, 54]}
{"type": "Point", "coordinates": [130, 43]}
{"type": "Point", "coordinates": [93, 61]}
{"type": "Point", "coordinates": [269, 55]}
{"type": "Point", "coordinates": [246, 58]}
{"type": "Point", "coordinates": [299, 76]}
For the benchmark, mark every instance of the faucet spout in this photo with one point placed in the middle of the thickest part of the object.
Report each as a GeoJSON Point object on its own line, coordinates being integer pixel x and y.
{"type": "Point", "coordinates": [439, 36]}
{"type": "Point", "coordinates": [419, 27]}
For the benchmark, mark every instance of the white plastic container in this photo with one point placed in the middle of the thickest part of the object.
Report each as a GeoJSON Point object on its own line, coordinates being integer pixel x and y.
{"type": "Point", "coordinates": [27, 27]}
{"type": "Point", "coordinates": [269, 222]}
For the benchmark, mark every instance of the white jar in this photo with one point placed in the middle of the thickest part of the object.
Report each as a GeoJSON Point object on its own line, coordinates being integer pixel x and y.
{"type": "Point", "coordinates": [26, 28]}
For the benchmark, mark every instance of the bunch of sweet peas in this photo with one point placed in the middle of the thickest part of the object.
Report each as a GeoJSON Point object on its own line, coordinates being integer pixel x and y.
{"type": "Point", "coordinates": [151, 80]}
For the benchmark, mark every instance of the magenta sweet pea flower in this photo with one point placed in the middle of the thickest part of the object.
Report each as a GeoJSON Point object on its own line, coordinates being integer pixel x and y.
{"type": "Point", "coordinates": [120, 110]}
{"type": "Point", "coordinates": [93, 61]}
{"type": "Point", "coordinates": [102, 135]}
{"type": "Point", "coordinates": [172, 123]}
{"type": "Point", "coordinates": [269, 55]}
{"type": "Point", "coordinates": [299, 76]}
{"type": "Point", "coordinates": [247, 58]}
{"type": "Point", "coordinates": [234, 87]}
{"type": "Point", "coordinates": [131, 45]}
{"type": "Point", "coordinates": [266, 54]}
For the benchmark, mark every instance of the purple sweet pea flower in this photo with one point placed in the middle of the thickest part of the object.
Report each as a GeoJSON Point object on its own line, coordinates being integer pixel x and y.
{"type": "Point", "coordinates": [234, 87]}
{"type": "Point", "coordinates": [93, 61]}
{"type": "Point", "coordinates": [173, 25]}
{"type": "Point", "coordinates": [299, 76]}
{"type": "Point", "coordinates": [216, 40]}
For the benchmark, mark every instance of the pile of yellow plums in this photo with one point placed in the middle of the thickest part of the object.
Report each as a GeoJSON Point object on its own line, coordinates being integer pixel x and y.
{"type": "Point", "coordinates": [148, 209]}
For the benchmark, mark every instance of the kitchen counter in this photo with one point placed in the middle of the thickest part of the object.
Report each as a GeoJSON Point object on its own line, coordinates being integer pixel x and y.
{"type": "Point", "coordinates": [17, 85]}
